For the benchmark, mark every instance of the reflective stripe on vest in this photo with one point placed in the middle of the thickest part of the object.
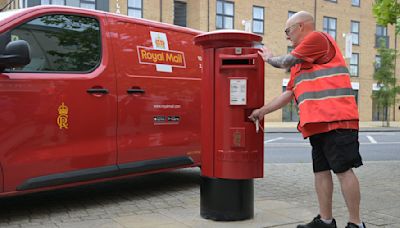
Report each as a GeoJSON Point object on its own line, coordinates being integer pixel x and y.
{"type": "Point", "coordinates": [320, 74]}
{"type": "Point", "coordinates": [330, 93]}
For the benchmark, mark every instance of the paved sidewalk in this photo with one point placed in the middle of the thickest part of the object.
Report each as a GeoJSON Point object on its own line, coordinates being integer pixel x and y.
{"type": "Point", "coordinates": [283, 198]}
{"type": "Point", "coordinates": [290, 127]}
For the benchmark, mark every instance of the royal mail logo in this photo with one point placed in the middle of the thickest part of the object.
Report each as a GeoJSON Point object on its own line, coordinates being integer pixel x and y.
{"type": "Point", "coordinates": [167, 57]}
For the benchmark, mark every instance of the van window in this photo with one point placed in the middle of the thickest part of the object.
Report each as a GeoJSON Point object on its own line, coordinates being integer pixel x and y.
{"type": "Point", "coordinates": [60, 43]}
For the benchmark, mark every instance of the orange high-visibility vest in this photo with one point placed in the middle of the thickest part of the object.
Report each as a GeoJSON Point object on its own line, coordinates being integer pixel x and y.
{"type": "Point", "coordinates": [323, 92]}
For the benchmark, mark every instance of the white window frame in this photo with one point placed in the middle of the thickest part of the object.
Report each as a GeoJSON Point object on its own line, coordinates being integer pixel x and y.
{"type": "Point", "coordinates": [355, 34]}
{"type": "Point", "coordinates": [223, 15]}
{"type": "Point", "coordinates": [328, 29]}
{"type": "Point", "coordinates": [357, 4]}
{"type": "Point", "coordinates": [259, 19]}
{"type": "Point", "coordinates": [135, 9]}
{"type": "Point", "coordinates": [352, 64]}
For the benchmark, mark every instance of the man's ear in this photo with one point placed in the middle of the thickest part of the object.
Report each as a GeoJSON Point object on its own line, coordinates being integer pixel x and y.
{"type": "Point", "coordinates": [301, 25]}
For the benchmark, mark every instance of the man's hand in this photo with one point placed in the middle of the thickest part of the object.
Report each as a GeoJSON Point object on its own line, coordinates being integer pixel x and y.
{"type": "Point", "coordinates": [265, 53]}
{"type": "Point", "coordinates": [257, 114]}
{"type": "Point", "coordinates": [276, 103]}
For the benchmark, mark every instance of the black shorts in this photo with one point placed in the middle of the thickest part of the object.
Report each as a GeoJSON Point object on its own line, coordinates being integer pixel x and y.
{"type": "Point", "coordinates": [337, 150]}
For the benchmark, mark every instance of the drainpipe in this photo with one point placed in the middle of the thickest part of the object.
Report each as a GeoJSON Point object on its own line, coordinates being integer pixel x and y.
{"type": "Point", "coordinates": [395, 74]}
{"type": "Point", "coordinates": [208, 15]}
{"type": "Point", "coordinates": [315, 14]}
{"type": "Point", "coordinates": [160, 10]}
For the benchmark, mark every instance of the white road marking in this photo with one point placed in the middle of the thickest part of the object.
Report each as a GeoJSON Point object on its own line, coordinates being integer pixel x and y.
{"type": "Point", "coordinates": [273, 140]}
{"type": "Point", "coordinates": [307, 144]}
{"type": "Point", "coordinates": [372, 140]}
{"type": "Point", "coordinates": [377, 133]}
{"type": "Point", "coordinates": [286, 145]}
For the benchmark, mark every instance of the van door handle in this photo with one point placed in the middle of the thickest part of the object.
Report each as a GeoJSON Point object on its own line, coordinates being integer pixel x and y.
{"type": "Point", "coordinates": [135, 90]}
{"type": "Point", "coordinates": [97, 91]}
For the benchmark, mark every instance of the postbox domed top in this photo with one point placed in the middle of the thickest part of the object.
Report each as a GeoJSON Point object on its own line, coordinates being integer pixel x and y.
{"type": "Point", "coordinates": [227, 38]}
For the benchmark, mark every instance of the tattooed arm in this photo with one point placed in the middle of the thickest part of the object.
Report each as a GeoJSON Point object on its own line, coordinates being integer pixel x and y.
{"type": "Point", "coordinates": [285, 61]}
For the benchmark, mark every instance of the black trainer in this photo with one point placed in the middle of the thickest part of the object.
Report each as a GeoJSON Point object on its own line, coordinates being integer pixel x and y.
{"type": "Point", "coordinates": [318, 223]}
{"type": "Point", "coordinates": [352, 225]}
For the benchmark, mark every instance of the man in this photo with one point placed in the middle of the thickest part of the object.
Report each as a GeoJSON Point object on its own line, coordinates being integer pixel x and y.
{"type": "Point", "coordinates": [320, 84]}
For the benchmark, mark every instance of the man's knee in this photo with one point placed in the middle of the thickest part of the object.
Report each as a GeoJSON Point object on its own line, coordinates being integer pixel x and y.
{"type": "Point", "coordinates": [323, 174]}
{"type": "Point", "coordinates": [346, 174]}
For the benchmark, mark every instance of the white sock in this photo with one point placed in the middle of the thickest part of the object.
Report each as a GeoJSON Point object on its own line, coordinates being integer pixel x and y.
{"type": "Point", "coordinates": [361, 225]}
{"type": "Point", "coordinates": [327, 221]}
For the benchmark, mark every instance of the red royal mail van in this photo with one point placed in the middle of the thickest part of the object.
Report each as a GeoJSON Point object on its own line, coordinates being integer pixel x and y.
{"type": "Point", "coordinates": [89, 96]}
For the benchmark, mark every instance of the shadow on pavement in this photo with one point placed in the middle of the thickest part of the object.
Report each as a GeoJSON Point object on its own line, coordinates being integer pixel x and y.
{"type": "Point", "coordinates": [99, 195]}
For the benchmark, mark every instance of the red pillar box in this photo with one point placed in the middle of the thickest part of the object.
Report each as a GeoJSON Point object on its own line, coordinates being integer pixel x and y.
{"type": "Point", "coordinates": [232, 150]}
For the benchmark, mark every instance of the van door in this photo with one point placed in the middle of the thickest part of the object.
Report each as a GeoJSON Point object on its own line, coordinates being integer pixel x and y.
{"type": "Point", "coordinates": [58, 113]}
{"type": "Point", "coordinates": [158, 104]}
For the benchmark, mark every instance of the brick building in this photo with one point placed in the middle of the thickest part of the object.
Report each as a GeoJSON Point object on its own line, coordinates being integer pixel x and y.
{"type": "Point", "coordinates": [267, 18]}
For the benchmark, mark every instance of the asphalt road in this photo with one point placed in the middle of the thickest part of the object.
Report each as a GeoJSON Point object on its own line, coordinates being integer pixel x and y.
{"type": "Point", "coordinates": [292, 148]}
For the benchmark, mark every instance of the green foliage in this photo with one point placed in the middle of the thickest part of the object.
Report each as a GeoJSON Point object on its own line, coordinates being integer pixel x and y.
{"type": "Point", "coordinates": [387, 12]}
{"type": "Point", "coordinates": [398, 26]}
{"type": "Point", "coordinates": [385, 78]}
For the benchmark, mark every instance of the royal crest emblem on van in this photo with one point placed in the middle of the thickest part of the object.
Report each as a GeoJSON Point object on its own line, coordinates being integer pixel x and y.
{"type": "Point", "coordinates": [62, 119]}
{"type": "Point", "coordinates": [160, 44]}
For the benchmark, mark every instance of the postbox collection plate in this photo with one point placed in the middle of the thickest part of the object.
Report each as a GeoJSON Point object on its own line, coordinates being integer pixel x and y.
{"type": "Point", "coordinates": [238, 91]}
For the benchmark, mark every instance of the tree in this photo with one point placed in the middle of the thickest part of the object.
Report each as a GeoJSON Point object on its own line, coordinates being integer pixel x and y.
{"type": "Point", "coordinates": [387, 12]}
{"type": "Point", "coordinates": [386, 80]}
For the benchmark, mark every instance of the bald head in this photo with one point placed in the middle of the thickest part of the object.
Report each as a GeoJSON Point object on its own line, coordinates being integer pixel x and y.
{"type": "Point", "coordinates": [299, 26]}
{"type": "Point", "coordinates": [301, 17]}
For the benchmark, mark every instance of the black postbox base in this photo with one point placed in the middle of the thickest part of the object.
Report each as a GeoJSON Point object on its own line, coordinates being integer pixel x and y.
{"type": "Point", "coordinates": [226, 199]}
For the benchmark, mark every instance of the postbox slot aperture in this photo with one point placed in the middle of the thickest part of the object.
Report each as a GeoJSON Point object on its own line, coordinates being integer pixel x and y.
{"type": "Point", "coordinates": [238, 62]}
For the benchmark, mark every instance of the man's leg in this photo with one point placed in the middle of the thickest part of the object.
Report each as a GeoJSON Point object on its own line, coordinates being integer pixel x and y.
{"type": "Point", "coordinates": [324, 188]}
{"type": "Point", "coordinates": [323, 185]}
{"type": "Point", "coordinates": [351, 193]}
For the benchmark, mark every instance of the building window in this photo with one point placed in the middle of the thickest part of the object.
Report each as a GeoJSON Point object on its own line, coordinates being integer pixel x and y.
{"type": "Point", "coordinates": [330, 26]}
{"type": "Point", "coordinates": [225, 13]}
{"type": "Point", "coordinates": [258, 19]}
{"type": "Point", "coordinates": [381, 36]}
{"type": "Point", "coordinates": [355, 32]}
{"type": "Point", "coordinates": [29, 3]}
{"type": "Point", "coordinates": [379, 113]}
{"type": "Point", "coordinates": [180, 13]}
{"type": "Point", "coordinates": [291, 13]}
{"type": "Point", "coordinates": [61, 43]}
{"type": "Point", "coordinates": [53, 2]}
{"type": "Point", "coordinates": [355, 3]}
{"type": "Point", "coordinates": [135, 8]}
{"type": "Point", "coordinates": [88, 4]}
{"type": "Point", "coordinates": [377, 64]}
{"type": "Point", "coordinates": [290, 112]}
{"type": "Point", "coordinates": [354, 64]}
